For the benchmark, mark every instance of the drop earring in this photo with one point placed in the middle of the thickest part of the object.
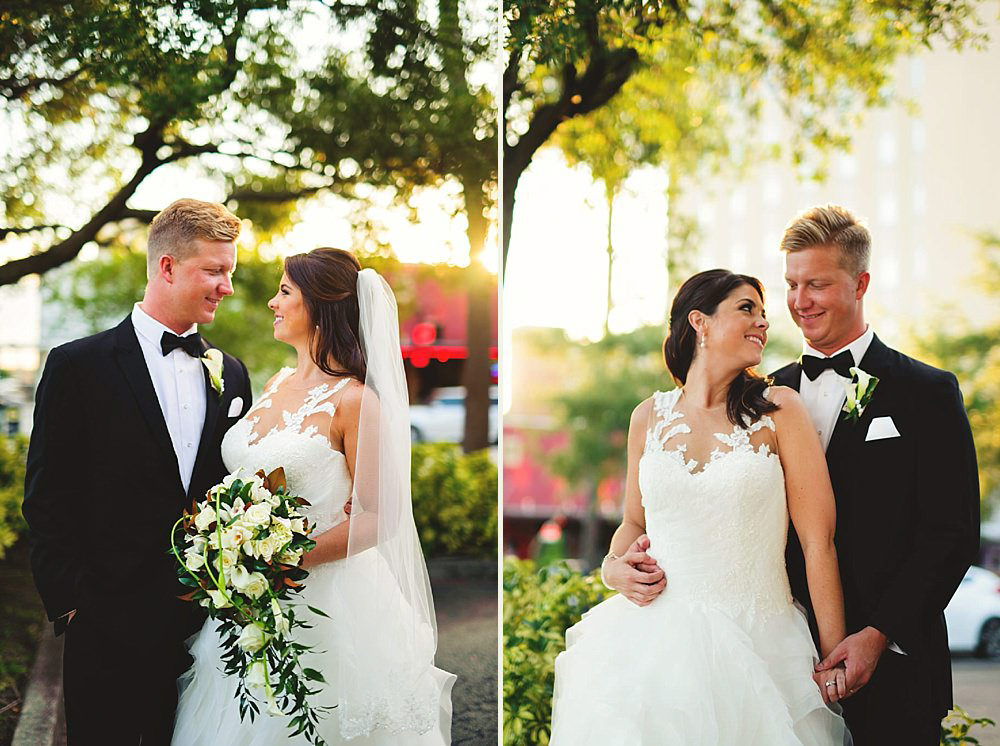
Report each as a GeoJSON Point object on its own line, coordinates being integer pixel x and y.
{"type": "Point", "coordinates": [701, 341]}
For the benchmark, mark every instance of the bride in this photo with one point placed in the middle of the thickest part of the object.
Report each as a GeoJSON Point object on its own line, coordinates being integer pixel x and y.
{"type": "Point", "coordinates": [713, 652]}
{"type": "Point", "coordinates": [338, 424]}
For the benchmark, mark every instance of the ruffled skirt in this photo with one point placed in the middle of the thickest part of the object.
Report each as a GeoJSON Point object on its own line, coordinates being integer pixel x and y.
{"type": "Point", "coordinates": [688, 673]}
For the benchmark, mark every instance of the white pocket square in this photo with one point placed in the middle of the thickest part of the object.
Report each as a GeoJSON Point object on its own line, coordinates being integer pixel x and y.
{"type": "Point", "coordinates": [880, 428]}
{"type": "Point", "coordinates": [236, 406]}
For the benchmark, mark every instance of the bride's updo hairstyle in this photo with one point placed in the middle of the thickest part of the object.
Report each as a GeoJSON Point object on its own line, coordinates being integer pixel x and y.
{"type": "Point", "coordinates": [328, 280]}
{"type": "Point", "coordinates": [704, 292]}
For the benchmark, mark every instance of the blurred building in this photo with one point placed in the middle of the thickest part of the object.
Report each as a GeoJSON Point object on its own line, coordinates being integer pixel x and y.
{"type": "Point", "coordinates": [925, 181]}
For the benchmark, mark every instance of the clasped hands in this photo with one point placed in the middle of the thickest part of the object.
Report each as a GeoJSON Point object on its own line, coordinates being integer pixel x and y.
{"type": "Point", "coordinates": [847, 668]}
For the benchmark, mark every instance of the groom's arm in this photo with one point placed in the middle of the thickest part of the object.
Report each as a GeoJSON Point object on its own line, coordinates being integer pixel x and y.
{"type": "Point", "coordinates": [54, 481]}
{"type": "Point", "coordinates": [946, 539]}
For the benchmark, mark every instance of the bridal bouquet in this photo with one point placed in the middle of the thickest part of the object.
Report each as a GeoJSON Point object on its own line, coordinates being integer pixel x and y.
{"type": "Point", "coordinates": [242, 547]}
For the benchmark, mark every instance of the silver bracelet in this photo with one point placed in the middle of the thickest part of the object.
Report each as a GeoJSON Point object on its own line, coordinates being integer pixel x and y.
{"type": "Point", "coordinates": [611, 556]}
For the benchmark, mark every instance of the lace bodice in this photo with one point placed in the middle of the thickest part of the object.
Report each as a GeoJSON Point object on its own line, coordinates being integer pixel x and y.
{"type": "Point", "coordinates": [718, 532]}
{"type": "Point", "coordinates": [298, 441]}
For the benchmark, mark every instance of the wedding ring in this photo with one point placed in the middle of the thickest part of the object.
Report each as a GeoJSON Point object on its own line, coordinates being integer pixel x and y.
{"type": "Point", "coordinates": [831, 683]}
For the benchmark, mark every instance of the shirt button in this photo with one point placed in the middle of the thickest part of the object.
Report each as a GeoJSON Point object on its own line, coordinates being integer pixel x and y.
{"type": "Point", "coordinates": [188, 445]}
{"type": "Point", "coordinates": [187, 406]}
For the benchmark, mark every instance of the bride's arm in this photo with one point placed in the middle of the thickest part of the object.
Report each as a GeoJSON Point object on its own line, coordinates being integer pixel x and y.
{"type": "Point", "coordinates": [813, 512]}
{"type": "Point", "coordinates": [639, 585]}
{"type": "Point", "coordinates": [344, 428]}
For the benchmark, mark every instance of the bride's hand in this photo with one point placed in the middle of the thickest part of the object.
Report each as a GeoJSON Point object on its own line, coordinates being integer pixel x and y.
{"type": "Point", "coordinates": [832, 684]}
{"type": "Point", "coordinates": [635, 574]}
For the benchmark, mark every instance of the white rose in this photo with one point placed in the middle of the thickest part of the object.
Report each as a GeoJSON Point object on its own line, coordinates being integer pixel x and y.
{"type": "Point", "coordinates": [219, 600]}
{"type": "Point", "coordinates": [265, 548]}
{"type": "Point", "coordinates": [205, 518]}
{"type": "Point", "coordinates": [256, 585]}
{"type": "Point", "coordinates": [298, 525]}
{"type": "Point", "coordinates": [193, 560]}
{"type": "Point", "coordinates": [226, 560]}
{"type": "Point", "coordinates": [252, 638]}
{"type": "Point", "coordinates": [289, 557]}
{"type": "Point", "coordinates": [257, 515]}
{"type": "Point", "coordinates": [256, 674]}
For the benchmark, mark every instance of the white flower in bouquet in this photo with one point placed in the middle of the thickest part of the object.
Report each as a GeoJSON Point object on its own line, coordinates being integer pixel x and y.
{"type": "Point", "coordinates": [257, 515]}
{"type": "Point", "coordinates": [280, 622]}
{"type": "Point", "coordinates": [252, 584]}
{"type": "Point", "coordinates": [219, 599]}
{"type": "Point", "coordinates": [252, 639]}
{"type": "Point", "coordinates": [290, 557]}
{"type": "Point", "coordinates": [298, 525]}
{"type": "Point", "coordinates": [226, 560]}
{"type": "Point", "coordinates": [256, 674]}
{"type": "Point", "coordinates": [193, 559]}
{"type": "Point", "coordinates": [205, 518]}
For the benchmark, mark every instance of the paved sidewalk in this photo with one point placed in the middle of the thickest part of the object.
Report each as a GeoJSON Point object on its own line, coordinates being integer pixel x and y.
{"type": "Point", "coordinates": [467, 615]}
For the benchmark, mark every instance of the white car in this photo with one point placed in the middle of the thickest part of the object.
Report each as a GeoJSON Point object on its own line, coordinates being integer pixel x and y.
{"type": "Point", "coordinates": [973, 614]}
{"type": "Point", "coordinates": [442, 418]}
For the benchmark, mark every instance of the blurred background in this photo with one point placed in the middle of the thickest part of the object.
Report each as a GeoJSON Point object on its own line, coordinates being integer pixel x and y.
{"type": "Point", "coordinates": [643, 146]}
{"type": "Point", "coordinates": [356, 125]}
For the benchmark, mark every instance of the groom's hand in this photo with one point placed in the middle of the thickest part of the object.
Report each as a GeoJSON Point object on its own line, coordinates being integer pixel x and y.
{"type": "Point", "coordinates": [860, 654]}
{"type": "Point", "coordinates": [635, 574]}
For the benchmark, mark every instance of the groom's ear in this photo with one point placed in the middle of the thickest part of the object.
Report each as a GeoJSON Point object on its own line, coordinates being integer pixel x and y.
{"type": "Point", "coordinates": [165, 268]}
{"type": "Point", "coordinates": [863, 279]}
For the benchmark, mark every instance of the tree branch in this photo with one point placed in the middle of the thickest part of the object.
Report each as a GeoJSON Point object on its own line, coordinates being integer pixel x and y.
{"type": "Point", "coordinates": [17, 230]}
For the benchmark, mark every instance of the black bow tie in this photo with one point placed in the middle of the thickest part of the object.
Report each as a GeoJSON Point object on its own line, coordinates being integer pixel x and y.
{"type": "Point", "coordinates": [841, 363]}
{"type": "Point", "coordinates": [191, 344]}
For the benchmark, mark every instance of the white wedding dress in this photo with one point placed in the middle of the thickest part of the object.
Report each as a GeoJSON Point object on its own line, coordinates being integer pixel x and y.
{"type": "Point", "coordinates": [722, 656]}
{"type": "Point", "coordinates": [207, 711]}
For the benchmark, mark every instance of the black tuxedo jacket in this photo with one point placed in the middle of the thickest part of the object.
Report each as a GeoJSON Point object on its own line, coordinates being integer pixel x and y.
{"type": "Point", "coordinates": [907, 512]}
{"type": "Point", "coordinates": [102, 487]}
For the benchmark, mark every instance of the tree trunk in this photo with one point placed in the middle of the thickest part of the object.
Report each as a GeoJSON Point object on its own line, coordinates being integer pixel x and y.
{"type": "Point", "coordinates": [476, 373]}
{"type": "Point", "coordinates": [611, 260]}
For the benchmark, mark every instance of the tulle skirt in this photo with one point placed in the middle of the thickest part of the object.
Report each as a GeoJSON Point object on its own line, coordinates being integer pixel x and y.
{"type": "Point", "coordinates": [687, 673]}
{"type": "Point", "coordinates": [208, 709]}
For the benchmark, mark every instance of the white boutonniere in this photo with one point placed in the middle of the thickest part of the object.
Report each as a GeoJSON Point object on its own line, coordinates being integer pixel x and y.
{"type": "Point", "coordinates": [859, 393]}
{"type": "Point", "coordinates": [212, 360]}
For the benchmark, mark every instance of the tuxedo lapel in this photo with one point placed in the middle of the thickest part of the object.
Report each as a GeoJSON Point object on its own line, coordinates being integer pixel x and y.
{"type": "Point", "coordinates": [876, 362]}
{"type": "Point", "coordinates": [212, 409]}
{"type": "Point", "coordinates": [790, 375]}
{"type": "Point", "coordinates": [129, 356]}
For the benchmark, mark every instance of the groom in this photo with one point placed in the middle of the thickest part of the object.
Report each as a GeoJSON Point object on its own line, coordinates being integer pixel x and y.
{"type": "Point", "coordinates": [127, 431]}
{"type": "Point", "coordinates": [906, 484]}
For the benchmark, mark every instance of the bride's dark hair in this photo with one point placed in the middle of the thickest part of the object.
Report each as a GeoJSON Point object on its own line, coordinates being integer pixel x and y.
{"type": "Point", "coordinates": [704, 292]}
{"type": "Point", "coordinates": [328, 281]}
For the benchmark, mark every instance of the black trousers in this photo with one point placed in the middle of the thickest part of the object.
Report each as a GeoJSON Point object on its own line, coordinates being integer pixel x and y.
{"type": "Point", "coordinates": [120, 689]}
{"type": "Point", "coordinates": [892, 708]}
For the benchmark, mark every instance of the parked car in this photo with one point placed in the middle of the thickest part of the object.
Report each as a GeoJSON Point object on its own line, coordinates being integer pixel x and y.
{"type": "Point", "coordinates": [442, 418]}
{"type": "Point", "coordinates": [973, 614]}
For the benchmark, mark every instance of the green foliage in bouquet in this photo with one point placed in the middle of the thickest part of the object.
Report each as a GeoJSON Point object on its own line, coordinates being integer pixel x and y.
{"type": "Point", "coordinates": [244, 546]}
{"type": "Point", "coordinates": [13, 455]}
{"type": "Point", "coordinates": [538, 607]}
{"type": "Point", "coordinates": [955, 728]}
{"type": "Point", "coordinates": [454, 501]}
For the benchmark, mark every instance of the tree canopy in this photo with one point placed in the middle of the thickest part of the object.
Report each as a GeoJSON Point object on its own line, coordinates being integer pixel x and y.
{"type": "Point", "coordinates": [820, 62]}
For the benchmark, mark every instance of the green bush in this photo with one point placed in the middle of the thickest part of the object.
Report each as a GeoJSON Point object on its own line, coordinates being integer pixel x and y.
{"type": "Point", "coordinates": [955, 728]}
{"type": "Point", "coordinates": [13, 453]}
{"type": "Point", "coordinates": [538, 607]}
{"type": "Point", "coordinates": [455, 501]}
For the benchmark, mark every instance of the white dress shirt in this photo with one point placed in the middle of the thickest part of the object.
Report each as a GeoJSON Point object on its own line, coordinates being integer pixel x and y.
{"type": "Point", "coordinates": [825, 397]}
{"type": "Point", "coordinates": [179, 382]}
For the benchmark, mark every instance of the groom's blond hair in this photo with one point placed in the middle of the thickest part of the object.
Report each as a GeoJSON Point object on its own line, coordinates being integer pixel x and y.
{"type": "Point", "coordinates": [831, 225]}
{"type": "Point", "coordinates": [174, 230]}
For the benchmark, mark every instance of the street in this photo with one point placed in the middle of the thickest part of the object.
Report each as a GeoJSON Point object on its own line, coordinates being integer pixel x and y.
{"type": "Point", "coordinates": [977, 691]}
{"type": "Point", "coordinates": [467, 646]}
